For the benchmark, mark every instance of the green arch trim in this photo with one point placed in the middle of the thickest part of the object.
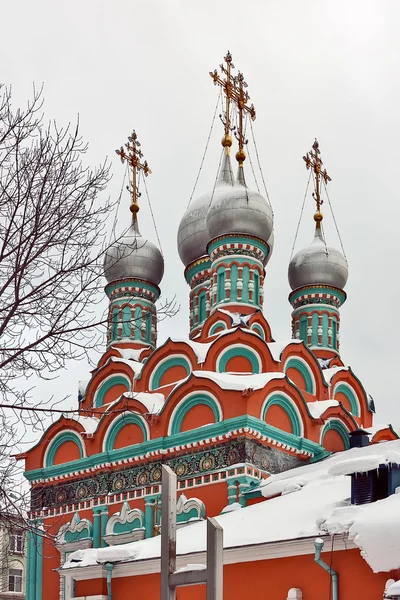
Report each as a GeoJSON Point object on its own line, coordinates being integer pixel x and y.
{"type": "Point", "coordinates": [351, 397]}
{"type": "Point", "coordinates": [294, 363]}
{"type": "Point", "coordinates": [174, 361]}
{"type": "Point", "coordinates": [186, 405]}
{"type": "Point", "coordinates": [119, 424]}
{"type": "Point", "coordinates": [287, 406]}
{"type": "Point", "coordinates": [258, 329]}
{"type": "Point", "coordinates": [66, 436]}
{"type": "Point", "coordinates": [105, 386]}
{"type": "Point", "coordinates": [221, 325]}
{"type": "Point", "coordinates": [341, 430]}
{"type": "Point", "coordinates": [232, 353]}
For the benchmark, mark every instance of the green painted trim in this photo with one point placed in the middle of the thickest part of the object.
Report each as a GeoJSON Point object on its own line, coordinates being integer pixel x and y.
{"type": "Point", "coordinates": [286, 405]}
{"type": "Point", "coordinates": [174, 361]}
{"type": "Point", "coordinates": [239, 239]}
{"type": "Point", "coordinates": [351, 397]}
{"type": "Point", "coordinates": [341, 430]}
{"type": "Point", "coordinates": [118, 424]}
{"type": "Point", "coordinates": [294, 363]}
{"type": "Point", "coordinates": [132, 283]}
{"type": "Point", "coordinates": [186, 405]}
{"type": "Point", "coordinates": [39, 567]}
{"type": "Point", "coordinates": [197, 268]}
{"type": "Point", "coordinates": [106, 385]}
{"type": "Point", "coordinates": [186, 437]}
{"type": "Point", "coordinates": [259, 330]}
{"type": "Point", "coordinates": [339, 294]}
{"type": "Point", "coordinates": [216, 325]}
{"type": "Point", "coordinates": [232, 353]}
{"type": "Point", "coordinates": [30, 565]}
{"type": "Point", "coordinates": [67, 436]}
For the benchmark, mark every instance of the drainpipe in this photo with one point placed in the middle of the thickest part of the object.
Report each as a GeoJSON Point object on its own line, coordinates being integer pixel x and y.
{"type": "Point", "coordinates": [319, 544]}
{"type": "Point", "coordinates": [109, 567]}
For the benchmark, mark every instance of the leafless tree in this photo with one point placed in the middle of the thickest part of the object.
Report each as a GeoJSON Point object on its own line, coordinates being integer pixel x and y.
{"type": "Point", "coordinates": [52, 232]}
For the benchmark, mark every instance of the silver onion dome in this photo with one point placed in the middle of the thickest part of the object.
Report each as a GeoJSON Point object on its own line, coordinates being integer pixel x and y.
{"type": "Point", "coordinates": [236, 209]}
{"type": "Point", "coordinates": [271, 242]}
{"type": "Point", "coordinates": [318, 264]}
{"type": "Point", "coordinates": [133, 257]}
{"type": "Point", "coordinates": [192, 233]}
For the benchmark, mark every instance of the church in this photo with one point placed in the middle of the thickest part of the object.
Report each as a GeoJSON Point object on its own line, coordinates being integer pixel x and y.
{"type": "Point", "coordinates": [275, 439]}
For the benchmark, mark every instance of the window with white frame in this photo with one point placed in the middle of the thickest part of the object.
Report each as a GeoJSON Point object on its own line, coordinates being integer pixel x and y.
{"type": "Point", "coordinates": [16, 542]}
{"type": "Point", "coordinates": [15, 580]}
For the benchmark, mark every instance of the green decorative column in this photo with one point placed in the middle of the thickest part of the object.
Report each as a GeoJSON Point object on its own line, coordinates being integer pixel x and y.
{"type": "Point", "coordinates": [30, 565]}
{"type": "Point", "coordinates": [100, 518]}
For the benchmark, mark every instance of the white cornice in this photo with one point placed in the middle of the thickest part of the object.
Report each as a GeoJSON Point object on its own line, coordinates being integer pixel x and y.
{"type": "Point", "coordinates": [239, 554]}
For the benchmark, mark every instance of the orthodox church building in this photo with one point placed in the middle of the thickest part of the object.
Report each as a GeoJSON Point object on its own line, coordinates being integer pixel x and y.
{"type": "Point", "coordinates": [234, 412]}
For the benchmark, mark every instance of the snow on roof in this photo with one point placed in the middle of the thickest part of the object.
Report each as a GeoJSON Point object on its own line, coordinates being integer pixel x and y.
{"type": "Point", "coordinates": [133, 364]}
{"type": "Point", "coordinates": [329, 373]}
{"type": "Point", "coordinates": [393, 590]}
{"type": "Point", "coordinates": [376, 428]}
{"type": "Point", "coordinates": [276, 348]}
{"type": "Point", "coordinates": [314, 503]}
{"type": "Point", "coordinates": [199, 348]}
{"type": "Point", "coordinates": [130, 353]}
{"type": "Point", "coordinates": [88, 423]}
{"type": "Point", "coordinates": [362, 464]}
{"type": "Point", "coordinates": [153, 401]}
{"type": "Point", "coordinates": [239, 381]}
{"type": "Point", "coordinates": [318, 407]}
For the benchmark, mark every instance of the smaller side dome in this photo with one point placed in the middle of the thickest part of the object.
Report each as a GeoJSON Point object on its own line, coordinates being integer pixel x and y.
{"type": "Point", "coordinates": [193, 236]}
{"type": "Point", "coordinates": [318, 264]}
{"type": "Point", "coordinates": [133, 257]}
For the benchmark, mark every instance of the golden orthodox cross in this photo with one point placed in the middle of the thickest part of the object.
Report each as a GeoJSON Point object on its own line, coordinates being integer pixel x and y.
{"type": "Point", "coordinates": [227, 86]}
{"type": "Point", "coordinates": [133, 155]}
{"type": "Point", "coordinates": [313, 161]}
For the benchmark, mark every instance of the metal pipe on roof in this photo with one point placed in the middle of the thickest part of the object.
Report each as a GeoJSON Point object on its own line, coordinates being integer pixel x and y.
{"type": "Point", "coordinates": [319, 544]}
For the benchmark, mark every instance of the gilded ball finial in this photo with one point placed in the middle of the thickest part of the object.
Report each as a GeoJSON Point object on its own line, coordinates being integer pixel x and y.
{"type": "Point", "coordinates": [226, 141]}
{"type": "Point", "coordinates": [318, 216]}
{"type": "Point", "coordinates": [240, 156]}
{"type": "Point", "coordinates": [134, 208]}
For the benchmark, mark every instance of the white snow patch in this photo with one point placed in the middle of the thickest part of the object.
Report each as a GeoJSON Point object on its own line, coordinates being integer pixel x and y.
{"type": "Point", "coordinates": [329, 373]}
{"type": "Point", "coordinates": [199, 348]}
{"type": "Point", "coordinates": [393, 589]}
{"type": "Point", "coordinates": [130, 353]}
{"type": "Point", "coordinates": [191, 567]}
{"type": "Point", "coordinates": [318, 407]}
{"type": "Point", "coordinates": [276, 348]}
{"type": "Point", "coordinates": [88, 423]}
{"type": "Point", "coordinates": [231, 507]}
{"type": "Point", "coordinates": [152, 401]}
{"type": "Point", "coordinates": [134, 365]}
{"type": "Point", "coordinates": [239, 381]}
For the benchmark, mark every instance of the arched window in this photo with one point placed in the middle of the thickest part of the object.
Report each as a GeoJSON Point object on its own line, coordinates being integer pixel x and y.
{"type": "Point", "coordinates": [334, 333]}
{"type": "Point", "coordinates": [314, 335]}
{"type": "Point", "coordinates": [114, 325]}
{"type": "Point", "coordinates": [126, 322]}
{"type": "Point", "coordinates": [221, 285]}
{"type": "Point", "coordinates": [256, 292]}
{"type": "Point", "coordinates": [234, 278]}
{"type": "Point", "coordinates": [148, 326]}
{"type": "Point", "coordinates": [303, 328]}
{"type": "Point", "coordinates": [202, 307]}
{"type": "Point", "coordinates": [138, 323]}
{"type": "Point", "coordinates": [246, 279]}
{"type": "Point", "coordinates": [325, 323]}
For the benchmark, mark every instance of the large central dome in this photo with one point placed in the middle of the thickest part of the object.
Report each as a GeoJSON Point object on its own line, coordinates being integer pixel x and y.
{"type": "Point", "coordinates": [236, 209]}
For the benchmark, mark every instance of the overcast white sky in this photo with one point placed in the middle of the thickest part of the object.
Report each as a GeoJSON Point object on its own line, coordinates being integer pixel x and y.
{"type": "Point", "coordinates": [315, 68]}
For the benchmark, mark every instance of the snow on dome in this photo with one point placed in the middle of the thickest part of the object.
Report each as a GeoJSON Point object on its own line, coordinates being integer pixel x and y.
{"type": "Point", "coordinates": [133, 257]}
{"type": "Point", "coordinates": [318, 264]}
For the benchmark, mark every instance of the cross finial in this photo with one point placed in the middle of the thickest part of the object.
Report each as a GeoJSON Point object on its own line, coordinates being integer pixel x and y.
{"type": "Point", "coordinates": [133, 155]}
{"type": "Point", "coordinates": [313, 161]}
{"type": "Point", "coordinates": [227, 85]}
{"type": "Point", "coordinates": [234, 88]}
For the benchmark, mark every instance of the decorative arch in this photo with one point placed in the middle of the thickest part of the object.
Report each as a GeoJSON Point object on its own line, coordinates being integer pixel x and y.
{"type": "Point", "coordinates": [217, 327]}
{"type": "Point", "coordinates": [185, 405]}
{"type": "Point", "coordinates": [74, 531]}
{"type": "Point", "coordinates": [125, 521]}
{"type": "Point", "coordinates": [347, 391]}
{"type": "Point", "coordinates": [58, 441]}
{"type": "Point", "coordinates": [106, 385]}
{"type": "Point", "coordinates": [258, 329]}
{"type": "Point", "coordinates": [239, 350]}
{"type": "Point", "coordinates": [127, 418]}
{"type": "Point", "coordinates": [176, 360]}
{"type": "Point", "coordinates": [338, 426]}
{"type": "Point", "coordinates": [290, 408]}
{"type": "Point", "coordinates": [303, 368]}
